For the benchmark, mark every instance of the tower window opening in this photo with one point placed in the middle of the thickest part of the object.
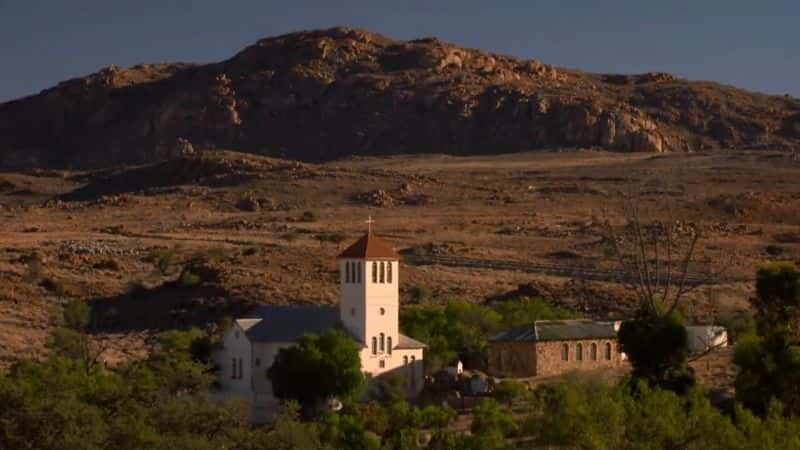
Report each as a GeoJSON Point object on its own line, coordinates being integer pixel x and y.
{"type": "Point", "coordinates": [347, 272]}
{"type": "Point", "coordinates": [383, 343]}
{"type": "Point", "coordinates": [374, 345]}
{"type": "Point", "coordinates": [374, 272]}
{"type": "Point", "coordinates": [358, 273]}
{"type": "Point", "coordinates": [389, 272]}
{"type": "Point", "coordinates": [383, 273]}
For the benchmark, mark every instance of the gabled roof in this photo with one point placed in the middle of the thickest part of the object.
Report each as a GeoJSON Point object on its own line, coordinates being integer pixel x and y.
{"type": "Point", "coordinates": [370, 246]}
{"type": "Point", "coordinates": [407, 343]}
{"type": "Point", "coordinates": [558, 330]}
{"type": "Point", "coordinates": [288, 323]}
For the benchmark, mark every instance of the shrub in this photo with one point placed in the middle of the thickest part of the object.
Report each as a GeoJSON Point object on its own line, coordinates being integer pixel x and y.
{"type": "Point", "coordinates": [510, 391]}
{"type": "Point", "coordinates": [308, 216]}
{"type": "Point", "coordinates": [163, 260]}
{"type": "Point", "coordinates": [108, 264]}
{"type": "Point", "coordinates": [774, 250]}
{"type": "Point", "coordinates": [54, 286]}
{"type": "Point", "coordinates": [188, 279]}
{"type": "Point", "coordinates": [420, 293]}
{"type": "Point", "coordinates": [34, 269]}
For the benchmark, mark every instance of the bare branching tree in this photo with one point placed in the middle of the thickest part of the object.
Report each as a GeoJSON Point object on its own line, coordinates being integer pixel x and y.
{"type": "Point", "coordinates": [656, 257]}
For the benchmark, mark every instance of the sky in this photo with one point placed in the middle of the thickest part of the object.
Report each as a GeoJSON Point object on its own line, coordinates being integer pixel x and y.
{"type": "Point", "coordinates": [750, 44]}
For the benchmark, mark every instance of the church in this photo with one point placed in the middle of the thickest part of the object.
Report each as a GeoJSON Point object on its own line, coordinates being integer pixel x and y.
{"type": "Point", "coordinates": [368, 311]}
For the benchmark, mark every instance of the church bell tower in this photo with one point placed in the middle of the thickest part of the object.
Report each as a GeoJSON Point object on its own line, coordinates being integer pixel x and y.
{"type": "Point", "coordinates": [370, 296]}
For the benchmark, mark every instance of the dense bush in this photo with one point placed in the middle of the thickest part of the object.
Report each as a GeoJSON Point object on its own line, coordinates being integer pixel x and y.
{"type": "Point", "coordinates": [769, 360]}
{"type": "Point", "coordinates": [320, 366]}
{"type": "Point", "coordinates": [595, 416]}
{"type": "Point", "coordinates": [658, 350]}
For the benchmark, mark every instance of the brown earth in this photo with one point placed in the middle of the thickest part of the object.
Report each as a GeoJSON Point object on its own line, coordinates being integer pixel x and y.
{"type": "Point", "coordinates": [257, 229]}
{"type": "Point", "coordinates": [321, 95]}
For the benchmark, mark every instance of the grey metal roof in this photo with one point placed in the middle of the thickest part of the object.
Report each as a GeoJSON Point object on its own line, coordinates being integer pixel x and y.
{"type": "Point", "coordinates": [289, 323]}
{"type": "Point", "coordinates": [558, 330]}
{"type": "Point", "coordinates": [408, 343]}
{"type": "Point", "coordinates": [523, 333]}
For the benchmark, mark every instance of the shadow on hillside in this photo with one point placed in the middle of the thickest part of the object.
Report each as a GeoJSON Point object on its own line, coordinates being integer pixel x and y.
{"type": "Point", "coordinates": [163, 307]}
{"type": "Point", "coordinates": [156, 178]}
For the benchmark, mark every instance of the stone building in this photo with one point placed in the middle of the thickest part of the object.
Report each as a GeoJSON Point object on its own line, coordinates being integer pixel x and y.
{"type": "Point", "coordinates": [553, 347]}
{"type": "Point", "coordinates": [368, 311]}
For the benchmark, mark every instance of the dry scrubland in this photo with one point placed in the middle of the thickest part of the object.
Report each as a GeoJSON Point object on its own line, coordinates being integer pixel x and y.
{"type": "Point", "coordinates": [262, 228]}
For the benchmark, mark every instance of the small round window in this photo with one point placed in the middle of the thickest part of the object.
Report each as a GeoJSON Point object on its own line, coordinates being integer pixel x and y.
{"type": "Point", "coordinates": [383, 311]}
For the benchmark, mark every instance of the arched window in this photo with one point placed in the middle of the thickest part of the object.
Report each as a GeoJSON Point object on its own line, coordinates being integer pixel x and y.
{"type": "Point", "coordinates": [608, 351]}
{"type": "Point", "coordinates": [358, 273]}
{"type": "Point", "coordinates": [565, 352]}
{"type": "Point", "coordinates": [347, 272]}
{"type": "Point", "coordinates": [382, 273]}
{"type": "Point", "coordinates": [374, 345]}
{"type": "Point", "coordinates": [579, 352]}
{"type": "Point", "coordinates": [389, 272]}
{"type": "Point", "coordinates": [593, 352]}
{"type": "Point", "coordinates": [374, 272]}
{"type": "Point", "coordinates": [383, 343]}
{"type": "Point", "coordinates": [389, 345]}
{"type": "Point", "coordinates": [405, 360]}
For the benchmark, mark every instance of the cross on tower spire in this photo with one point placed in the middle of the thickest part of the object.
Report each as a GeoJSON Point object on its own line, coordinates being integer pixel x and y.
{"type": "Point", "coordinates": [369, 223]}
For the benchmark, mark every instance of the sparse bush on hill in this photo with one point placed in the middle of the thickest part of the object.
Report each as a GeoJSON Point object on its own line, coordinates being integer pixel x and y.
{"type": "Point", "coordinates": [308, 216]}
{"type": "Point", "coordinates": [290, 236]}
{"type": "Point", "coordinates": [34, 268]}
{"type": "Point", "coordinates": [163, 260]}
{"type": "Point", "coordinates": [54, 286]}
{"type": "Point", "coordinates": [188, 279]}
{"type": "Point", "coordinates": [775, 250]}
{"type": "Point", "coordinates": [108, 264]}
{"type": "Point", "coordinates": [333, 238]}
{"type": "Point", "coordinates": [420, 293]}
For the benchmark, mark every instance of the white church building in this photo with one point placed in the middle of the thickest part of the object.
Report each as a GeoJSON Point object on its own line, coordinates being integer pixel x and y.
{"type": "Point", "coordinates": [368, 311]}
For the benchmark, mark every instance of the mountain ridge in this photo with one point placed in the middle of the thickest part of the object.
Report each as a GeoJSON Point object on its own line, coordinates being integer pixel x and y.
{"type": "Point", "coordinates": [326, 94]}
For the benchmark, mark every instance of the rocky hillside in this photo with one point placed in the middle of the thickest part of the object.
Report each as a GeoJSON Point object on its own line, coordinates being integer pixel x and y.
{"type": "Point", "coordinates": [320, 95]}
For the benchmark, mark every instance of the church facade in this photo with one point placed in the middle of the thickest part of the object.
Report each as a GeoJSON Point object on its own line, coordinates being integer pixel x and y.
{"type": "Point", "coordinates": [368, 311]}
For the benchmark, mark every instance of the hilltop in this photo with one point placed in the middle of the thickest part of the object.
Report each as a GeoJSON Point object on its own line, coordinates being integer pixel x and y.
{"type": "Point", "coordinates": [327, 94]}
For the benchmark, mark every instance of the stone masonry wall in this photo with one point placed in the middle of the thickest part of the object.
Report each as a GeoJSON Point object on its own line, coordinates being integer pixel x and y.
{"type": "Point", "coordinates": [512, 359]}
{"type": "Point", "coordinates": [549, 358]}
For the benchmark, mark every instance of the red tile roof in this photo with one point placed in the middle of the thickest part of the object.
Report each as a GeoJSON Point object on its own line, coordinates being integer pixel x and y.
{"type": "Point", "coordinates": [370, 246]}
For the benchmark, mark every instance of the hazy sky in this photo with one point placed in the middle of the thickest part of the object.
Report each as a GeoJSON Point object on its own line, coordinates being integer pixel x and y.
{"type": "Point", "coordinates": [751, 44]}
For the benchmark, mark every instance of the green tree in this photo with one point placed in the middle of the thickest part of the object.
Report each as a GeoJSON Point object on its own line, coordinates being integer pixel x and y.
{"type": "Point", "coordinates": [491, 426]}
{"type": "Point", "coordinates": [320, 366]}
{"type": "Point", "coordinates": [178, 362]}
{"type": "Point", "coordinates": [526, 310]}
{"type": "Point", "coordinates": [348, 431]}
{"type": "Point", "coordinates": [769, 361]}
{"type": "Point", "coordinates": [658, 349]}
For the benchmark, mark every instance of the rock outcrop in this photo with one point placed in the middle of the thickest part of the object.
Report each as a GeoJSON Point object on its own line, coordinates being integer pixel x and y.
{"type": "Point", "coordinates": [326, 94]}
